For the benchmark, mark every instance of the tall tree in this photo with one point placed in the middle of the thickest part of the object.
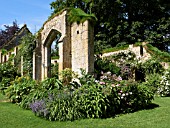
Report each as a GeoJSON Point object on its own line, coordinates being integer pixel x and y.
{"type": "Point", "coordinates": [8, 32]}
{"type": "Point", "coordinates": [125, 21]}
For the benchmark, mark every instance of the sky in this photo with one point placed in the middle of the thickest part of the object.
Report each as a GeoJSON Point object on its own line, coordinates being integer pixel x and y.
{"type": "Point", "coordinates": [33, 13]}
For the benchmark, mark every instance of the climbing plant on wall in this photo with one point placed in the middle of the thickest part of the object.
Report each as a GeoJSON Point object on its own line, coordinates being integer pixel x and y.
{"type": "Point", "coordinates": [26, 52]}
{"type": "Point", "coordinates": [78, 15]}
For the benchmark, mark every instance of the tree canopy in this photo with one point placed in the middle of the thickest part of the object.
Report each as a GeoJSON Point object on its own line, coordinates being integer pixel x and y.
{"type": "Point", "coordinates": [125, 21]}
{"type": "Point", "coordinates": [8, 32]}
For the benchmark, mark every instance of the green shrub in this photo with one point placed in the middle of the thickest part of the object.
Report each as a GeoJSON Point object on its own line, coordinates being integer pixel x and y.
{"type": "Point", "coordinates": [54, 70]}
{"type": "Point", "coordinates": [4, 84]}
{"type": "Point", "coordinates": [51, 83]}
{"type": "Point", "coordinates": [107, 100]}
{"type": "Point", "coordinates": [41, 91]}
{"type": "Point", "coordinates": [153, 81]}
{"type": "Point", "coordinates": [67, 75]}
{"type": "Point", "coordinates": [91, 101]}
{"type": "Point", "coordinates": [140, 97]}
{"type": "Point", "coordinates": [7, 70]}
{"type": "Point", "coordinates": [153, 66]}
{"type": "Point", "coordinates": [55, 104]}
{"type": "Point", "coordinates": [149, 67]}
{"type": "Point", "coordinates": [105, 65]}
{"type": "Point", "coordinates": [7, 74]}
{"type": "Point", "coordinates": [129, 96]}
{"type": "Point", "coordinates": [19, 88]}
{"type": "Point", "coordinates": [63, 106]}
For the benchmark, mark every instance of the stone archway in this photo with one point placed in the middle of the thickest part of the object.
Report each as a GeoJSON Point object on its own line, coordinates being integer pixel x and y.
{"type": "Point", "coordinates": [76, 48]}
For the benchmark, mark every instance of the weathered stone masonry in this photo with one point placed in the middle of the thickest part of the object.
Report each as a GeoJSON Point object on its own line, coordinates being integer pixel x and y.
{"type": "Point", "coordinates": [76, 47]}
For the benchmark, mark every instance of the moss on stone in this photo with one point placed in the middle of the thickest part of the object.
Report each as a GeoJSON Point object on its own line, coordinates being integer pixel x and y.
{"type": "Point", "coordinates": [79, 16]}
{"type": "Point", "coordinates": [74, 15]}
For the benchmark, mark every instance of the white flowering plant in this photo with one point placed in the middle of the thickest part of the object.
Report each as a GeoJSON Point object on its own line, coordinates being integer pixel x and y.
{"type": "Point", "coordinates": [164, 88]}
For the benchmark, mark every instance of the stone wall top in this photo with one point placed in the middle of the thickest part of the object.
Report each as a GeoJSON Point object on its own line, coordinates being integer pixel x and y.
{"type": "Point", "coordinates": [135, 49]}
{"type": "Point", "coordinates": [56, 23]}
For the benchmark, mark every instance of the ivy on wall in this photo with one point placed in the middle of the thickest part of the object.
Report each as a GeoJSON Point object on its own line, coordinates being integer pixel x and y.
{"type": "Point", "coordinates": [26, 50]}
{"type": "Point", "coordinates": [79, 16]}
{"type": "Point", "coordinates": [74, 15]}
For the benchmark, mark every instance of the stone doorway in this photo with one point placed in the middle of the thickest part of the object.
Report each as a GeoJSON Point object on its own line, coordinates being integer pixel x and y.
{"type": "Point", "coordinates": [53, 35]}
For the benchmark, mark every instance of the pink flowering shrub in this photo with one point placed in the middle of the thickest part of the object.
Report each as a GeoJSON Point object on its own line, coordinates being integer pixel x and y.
{"type": "Point", "coordinates": [127, 97]}
{"type": "Point", "coordinates": [135, 96]}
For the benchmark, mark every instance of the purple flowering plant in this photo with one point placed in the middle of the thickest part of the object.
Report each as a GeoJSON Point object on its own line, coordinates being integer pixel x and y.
{"type": "Point", "coordinates": [39, 108]}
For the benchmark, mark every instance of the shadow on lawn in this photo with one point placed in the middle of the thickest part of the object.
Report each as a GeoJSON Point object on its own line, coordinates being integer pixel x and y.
{"type": "Point", "coordinates": [148, 107]}
{"type": "Point", "coordinates": [152, 106]}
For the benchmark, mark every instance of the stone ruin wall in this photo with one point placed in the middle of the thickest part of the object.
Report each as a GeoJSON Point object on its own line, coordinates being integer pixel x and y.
{"type": "Point", "coordinates": [76, 48]}
{"type": "Point", "coordinates": [82, 47]}
{"type": "Point", "coordinates": [135, 49]}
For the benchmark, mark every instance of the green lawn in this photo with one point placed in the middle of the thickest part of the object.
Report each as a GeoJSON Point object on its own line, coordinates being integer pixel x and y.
{"type": "Point", "coordinates": [11, 116]}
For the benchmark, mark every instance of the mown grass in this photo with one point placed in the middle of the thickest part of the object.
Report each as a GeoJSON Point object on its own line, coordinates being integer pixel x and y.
{"type": "Point", "coordinates": [11, 116]}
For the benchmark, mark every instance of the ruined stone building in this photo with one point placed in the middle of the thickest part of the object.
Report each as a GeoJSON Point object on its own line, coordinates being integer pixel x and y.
{"type": "Point", "coordinates": [12, 46]}
{"type": "Point", "coordinates": [76, 47]}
